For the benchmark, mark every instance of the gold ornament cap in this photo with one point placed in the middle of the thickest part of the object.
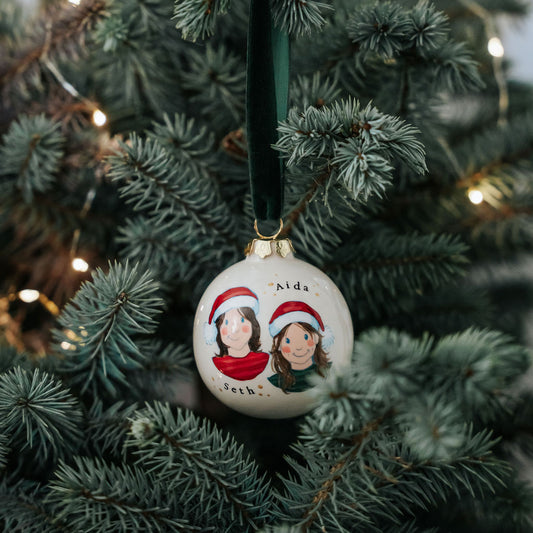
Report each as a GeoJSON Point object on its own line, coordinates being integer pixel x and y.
{"type": "Point", "coordinates": [266, 246]}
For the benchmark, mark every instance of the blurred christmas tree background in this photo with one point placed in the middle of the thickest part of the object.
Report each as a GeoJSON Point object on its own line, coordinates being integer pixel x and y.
{"type": "Point", "coordinates": [123, 164]}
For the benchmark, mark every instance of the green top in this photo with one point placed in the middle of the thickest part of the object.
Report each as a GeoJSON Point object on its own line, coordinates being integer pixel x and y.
{"type": "Point", "coordinates": [301, 384]}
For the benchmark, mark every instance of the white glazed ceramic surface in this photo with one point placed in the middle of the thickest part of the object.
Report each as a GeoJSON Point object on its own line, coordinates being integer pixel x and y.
{"type": "Point", "coordinates": [274, 280]}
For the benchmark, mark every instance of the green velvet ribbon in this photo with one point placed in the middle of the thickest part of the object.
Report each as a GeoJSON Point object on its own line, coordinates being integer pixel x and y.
{"type": "Point", "coordinates": [267, 89]}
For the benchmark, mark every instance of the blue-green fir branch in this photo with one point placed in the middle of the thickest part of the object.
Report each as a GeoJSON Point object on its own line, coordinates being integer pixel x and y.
{"type": "Point", "coordinates": [388, 28]}
{"type": "Point", "coordinates": [418, 40]}
{"type": "Point", "coordinates": [4, 450]}
{"type": "Point", "coordinates": [188, 142]}
{"type": "Point", "coordinates": [192, 456]}
{"type": "Point", "coordinates": [197, 18]}
{"type": "Point", "coordinates": [444, 310]}
{"type": "Point", "coordinates": [216, 80]}
{"type": "Point", "coordinates": [107, 428]}
{"type": "Point", "coordinates": [10, 358]}
{"type": "Point", "coordinates": [133, 56]}
{"type": "Point", "coordinates": [508, 510]}
{"type": "Point", "coordinates": [474, 370]}
{"type": "Point", "coordinates": [430, 27]}
{"type": "Point", "coordinates": [100, 324]}
{"type": "Point", "coordinates": [173, 252]}
{"type": "Point", "coordinates": [151, 179]}
{"type": "Point", "coordinates": [357, 145]}
{"type": "Point", "coordinates": [65, 29]}
{"type": "Point", "coordinates": [452, 67]}
{"type": "Point", "coordinates": [91, 495]}
{"type": "Point", "coordinates": [166, 367]}
{"type": "Point", "coordinates": [24, 508]}
{"type": "Point", "coordinates": [476, 367]}
{"type": "Point", "coordinates": [55, 215]}
{"type": "Point", "coordinates": [40, 417]}
{"type": "Point", "coordinates": [494, 151]}
{"type": "Point", "coordinates": [375, 270]}
{"type": "Point", "coordinates": [298, 18]}
{"type": "Point", "coordinates": [354, 474]}
{"type": "Point", "coordinates": [170, 359]}
{"type": "Point", "coordinates": [317, 216]}
{"type": "Point", "coordinates": [383, 28]}
{"type": "Point", "coordinates": [314, 90]}
{"type": "Point", "coordinates": [31, 154]}
{"type": "Point", "coordinates": [394, 360]}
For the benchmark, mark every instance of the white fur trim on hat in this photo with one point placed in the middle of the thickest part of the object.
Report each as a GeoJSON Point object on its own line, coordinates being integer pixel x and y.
{"type": "Point", "coordinates": [294, 316]}
{"type": "Point", "coordinates": [237, 301]}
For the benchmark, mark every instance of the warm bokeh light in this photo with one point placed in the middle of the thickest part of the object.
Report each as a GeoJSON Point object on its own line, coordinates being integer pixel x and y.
{"type": "Point", "coordinates": [66, 345]}
{"type": "Point", "coordinates": [99, 118]}
{"type": "Point", "coordinates": [475, 196]}
{"type": "Point", "coordinates": [75, 2]}
{"type": "Point", "coordinates": [80, 264]}
{"type": "Point", "coordinates": [495, 47]}
{"type": "Point", "coordinates": [29, 295]}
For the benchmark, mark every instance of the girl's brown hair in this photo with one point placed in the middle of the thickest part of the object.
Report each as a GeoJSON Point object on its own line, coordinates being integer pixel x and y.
{"type": "Point", "coordinates": [282, 367]}
{"type": "Point", "coordinates": [254, 343]}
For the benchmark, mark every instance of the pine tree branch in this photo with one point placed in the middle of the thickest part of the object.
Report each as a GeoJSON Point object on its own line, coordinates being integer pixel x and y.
{"type": "Point", "coordinates": [386, 262]}
{"type": "Point", "coordinates": [328, 486]}
{"type": "Point", "coordinates": [66, 29]}
{"type": "Point", "coordinates": [294, 215]}
{"type": "Point", "coordinates": [210, 475]}
{"type": "Point", "coordinates": [194, 457]}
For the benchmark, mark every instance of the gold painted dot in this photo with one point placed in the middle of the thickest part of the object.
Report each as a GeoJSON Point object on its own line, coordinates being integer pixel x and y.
{"type": "Point", "coordinates": [316, 294]}
{"type": "Point", "coordinates": [268, 395]}
{"type": "Point", "coordinates": [213, 379]}
{"type": "Point", "coordinates": [270, 284]}
{"type": "Point", "coordinates": [220, 389]}
{"type": "Point", "coordinates": [259, 386]}
{"type": "Point", "coordinates": [260, 394]}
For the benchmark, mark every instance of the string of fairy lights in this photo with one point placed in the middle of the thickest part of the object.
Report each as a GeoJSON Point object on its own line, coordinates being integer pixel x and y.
{"type": "Point", "coordinates": [99, 119]}
{"type": "Point", "coordinates": [496, 49]}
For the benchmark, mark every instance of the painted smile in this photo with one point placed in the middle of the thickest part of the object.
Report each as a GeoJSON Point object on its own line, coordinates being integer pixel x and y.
{"type": "Point", "coordinates": [302, 355]}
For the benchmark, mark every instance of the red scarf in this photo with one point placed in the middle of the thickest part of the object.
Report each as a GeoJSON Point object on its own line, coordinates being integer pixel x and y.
{"type": "Point", "coordinates": [242, 368]}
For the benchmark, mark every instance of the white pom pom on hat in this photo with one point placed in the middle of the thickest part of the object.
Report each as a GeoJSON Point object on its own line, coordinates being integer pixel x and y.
{"type": "Point", "coordinates": [228, 300]}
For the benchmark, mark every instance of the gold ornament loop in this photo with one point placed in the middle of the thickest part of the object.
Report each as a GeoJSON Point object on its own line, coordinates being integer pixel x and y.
{"type": "Point", "coordinates": [271, 237]}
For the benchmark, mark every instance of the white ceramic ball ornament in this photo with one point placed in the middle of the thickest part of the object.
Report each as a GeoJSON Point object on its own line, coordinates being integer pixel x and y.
{"type": "Point", "coordinates": [266, 324]}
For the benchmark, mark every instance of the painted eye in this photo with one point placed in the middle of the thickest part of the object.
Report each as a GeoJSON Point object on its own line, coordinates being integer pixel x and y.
{"type": "Point", "coordinates": [226, 322]}
{"type": "Point", "coordinates": [306, 336]}
{"type": "Point", "coordinates": [287, 340]}
{"type": "Point", "coordinates": [242, 319]}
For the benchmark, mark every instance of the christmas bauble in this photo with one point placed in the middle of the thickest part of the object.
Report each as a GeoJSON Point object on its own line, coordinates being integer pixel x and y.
{"type": "Point", "coordinates": [267, 324]}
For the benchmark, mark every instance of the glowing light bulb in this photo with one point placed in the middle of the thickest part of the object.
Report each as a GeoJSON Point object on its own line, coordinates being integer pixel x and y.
{"type": "Point", "coordinates": [75, 2]}
{"type": "Point", "coordinates": [80, 264]}
{"type": "Point", "coordinates": [29, 295]}
{"type": "Point", "coordinates": [495, 47]}
{"type": "Point", "coordinates": [475, 196]}
{"type": "Point", "coordinates": [66, 345]}
{"type": "Point", "coordinates": [99, 118]}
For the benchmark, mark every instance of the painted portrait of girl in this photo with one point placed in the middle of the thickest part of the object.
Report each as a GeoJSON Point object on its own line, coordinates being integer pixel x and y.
{"type": "Point", "coordinates": [234, 327]}
{"type": "Point", "coordinates": [299, 340]}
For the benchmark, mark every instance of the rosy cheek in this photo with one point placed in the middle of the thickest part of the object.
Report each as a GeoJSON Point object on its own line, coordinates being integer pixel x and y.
{"type": "Point", "coordinates": [310, 342]}
{"type": "Point", "coordinates": [246, 329]}
{"type": "Point", "coordinates": [224, 331]}
{"type": "Point", "coordinates": [286, 349]}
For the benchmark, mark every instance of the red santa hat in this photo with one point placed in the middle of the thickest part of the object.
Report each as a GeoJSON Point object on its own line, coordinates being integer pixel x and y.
{"type": "Point", "coordinates": [291, 312]}
{"type": "Point", "coordinates": [228, 300]}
